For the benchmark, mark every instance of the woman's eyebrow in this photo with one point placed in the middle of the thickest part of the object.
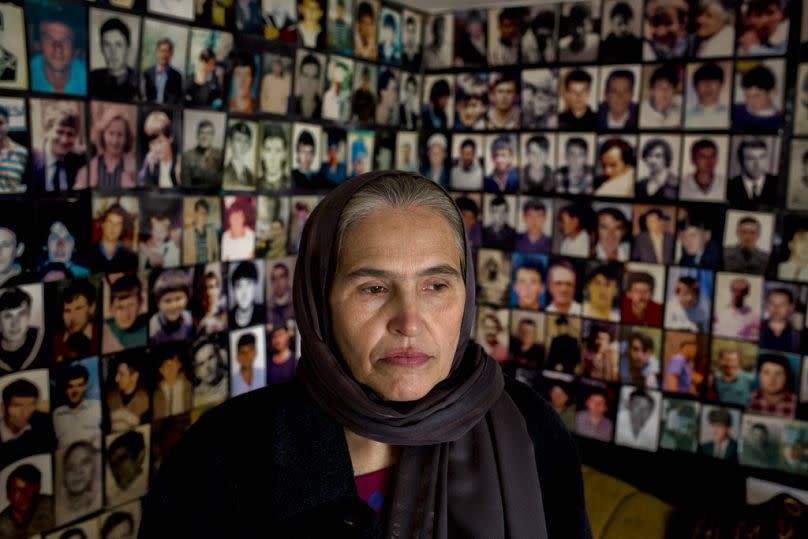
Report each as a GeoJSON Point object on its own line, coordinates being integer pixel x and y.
{"type": "Point", "coordinates": [440, 269]}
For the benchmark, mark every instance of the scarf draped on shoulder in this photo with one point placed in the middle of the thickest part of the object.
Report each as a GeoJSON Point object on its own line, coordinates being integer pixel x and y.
{"type": "Point", "coordinates": [467, 463]}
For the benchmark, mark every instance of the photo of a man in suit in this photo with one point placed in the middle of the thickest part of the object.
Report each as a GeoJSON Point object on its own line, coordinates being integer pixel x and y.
{"type": "Point", "coordinates": [746, 256]}
{"type": "Point", "coordinates": [618, 109]}
{"type": "Point", "coordinates": [161, 82]}
{"type": "Point", "coordinates": [653, 244]}
{"type": "Point", "coordinates": [754, 185]}
{"type": "Point", "coordinates": [721, 444]}
{"type": "Point", "coordinates": [56, 165]}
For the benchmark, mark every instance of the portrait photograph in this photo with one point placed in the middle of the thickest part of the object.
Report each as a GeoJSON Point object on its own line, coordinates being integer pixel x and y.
{"type": "Point", "coordinates": [238, 237]}
{"type": "Point", "coordinates": [689, 299]}
{"type": "Point", "coordinates": [203, 142]}
{"type": "Point", "coordinates": [77, 480]}
{"type": "Point", "coordinates": [527, 346]}
{"type": "Point", "coordinates": [77, 400]}
{"type": "Point", "coordinates": [538, 151]}
{"type": "Point", "coordinates": [364, 97]}
{"type": "Point", "coordinates": [597, 407]}
{"type": "Point", "coordinates": [339, 21]}
{"type": "Point", "coordinates": [14, 73]}
{"type": "Point", "coordinates": [501, 163]}
{"type": "Point", "coordinates": [793, 456]}
{"type": "Point", "coordinates": [686, 362]}
{"type": "Point", "coordinates": [333, 169]}
{"type": "Point", "coordinates": [600, 358]}
{"type": "Point", "coordinates": [276, 83]}
{"type": "Point", "coordinates": [281, 361]}
{"type": "Point", "coordinates": [576, 157]}
{"type": "Point", "coordinates": [361, 145]}
{"type": "Point", "coordinates": [563, 345]}
{"type": "Point", "coordinates": [800, 118]}
{"type": "Point", "coordinates": [699, 235]}
{"type": "Point", "coordinates": [126, 475]}
{"type": "Point", "coordinates": [210, 370]}
{"type": "Point", "coordinates": [57, 47]}
{"type": "Point", "coordinates": [654, 230]}
{"type": "Point", "coordinates": [390, 36]}
{"type": "Point", "coordinates": [640, 353]}
{"type": "Point", "coordinates": [643, 294]}
{"type": "Point", "coordinates": [783, 316]}
{"type": "Point", "coordinates": [274, 159]}
{"type": "Point", "coordinates": [470, 38]}
{"type": "Point", "coordinates": [662, 96]}
{"type": "Point", "coordinates": [412, 30]}
{"type": "Point", "coordinates": [638, 414]}
{"type": "Point", "coordinates": [539, 98]}
{"type": "Point", "coordinates": [763, 28]}
{"type": "Point", "coordinates": [306, 146]}
{"type": "Point", "coordinates": [761, 438]}
{"type": "Point", "coordinates": [714, 31]}
{"type": "Point", "coordinates": [407, 151]}
{"type": "Point", "coordinates": [409, 96]}
{"type": "Point", "coordinates": [245, 293]}
{"type": "Point", "coordinates": [113, 151]}
{"type": "Point", "coordinates": [492, 332]}
{"type": "Point", "coordinates": [775, 388]}
{"type": "Point", "coordinates": [13, 216]}
{"type": "Point", "coordinates": [719, 432]}
{"type": "Point", "coordinates": [615, 166]}
{"type": "Point", "coordinates": [170, 319]}
{"type": "Point", "coordinates": [579, 34]}
{"type": "Point", "coordinates": [679, 424]}
{"type": "Point", "coordinates": [753, 172]}
{"type": "Point", "coordinates": [665, 29]}
{"type": "Point", "coordinates": [242, 81]}
{"type": "Point", "coordinates": [301, 208]}
{"type": "Point", "coordinates": [621, 31]}
{"type": "Point", "coordinates": [163, 51]}
{"type": "Point", "coordinates": [704, 168]}
{"type": "Point", "coordinates": [38, 512]}
{"type": "Point", "coordinates": [578, 93]}
{"type": "Point", "coordinates": [792, 256]}
{"type": "Point", "coordinates": [338, 87]}
{"type": "Point", "coordinates": [559, 390]}
{"type": "Point", "coordinates": [758, 101]}
{"type": "Point", "coordinates": [24, 345]}
{"type": "Point", "coordinates": [505, 29]}
{"type": "Point", "coordinates": [539, 43]}
{"type": "Point", "coordinates": [707, 93]}
{"type": "Point", "coordinates": [240, 155]}
{"type": "Point", "coordinates": [471, 101]}
{"type": "Point", "coordinates": [467, 173]}
{"type": "Point", "coordinates": [15, 137]}
{"type": "Point", "coordinates": [574, 224]}
{"type": "Point", "coordinates": [602, 290]}
{"type": "Point", "coordinates": [385, 146]}
{"type": "Point", "coordinates": [208, 303]}
{"type": "Point", "coordinates": [124, 519]}
{"type": "Point", "coordinates": [748, 241]}
{"type": "Point", "coordinates": [280, 274]}
{"type": "Point", "coordinates": [127, 381]}
{"type": "Point", "coordinates": [732, 375]}
{"type": "Point", "coordinates": [504, 109]}
{"type": "Point", "coordinates": [738, 301]}
{"type": "Point", "coordinates": [201, 226]}
{"type": "Point", "coordinates": [308, 101]}
{"type": "Point", "coordinates": [179, 9]}
{"type": "Point", "coordinates": [494, 276]}
{"type": "Point", "coordinates": [438, 102]}
{"type": "Point", "coordinates": [126, 308]}
{"type": "Point", "coordinates": [499, 221]}
{"type": "Point", "coordinates": [658, 167]}
{"type": "Point", "coordinates": [58, 239]}
{"type": "Point", "coordinates": [387, 106]}
{"type": "Point", "coordinates": [620, 97]}
{"type": "Point", "coordinates": [438, 41]}
{"type": "Point", "coordinates": [57, 135]}
{"type": "Point", "coordinates": [248, 360]}
{"type": "Point", "coordinates": [612, 231]}
{"type": "Point", "coordinates": [172, 391]}
{"type": "Point", "coordinates": [159, 141]}
{"type": "Point", "coordinates": [114, 44]}
{"type": "Point", "coordinates": [26, 418]}
{"type": "Point", "coordinates": [534, 225]}
{"type": "Point", "coordinates": [366, 24]}
{"type": "Point", "coordinates": [160, 234]}
{"type": "Point", "coordinates": [208, 62]}
{"type": "Point", "coordinates": [311, 23]}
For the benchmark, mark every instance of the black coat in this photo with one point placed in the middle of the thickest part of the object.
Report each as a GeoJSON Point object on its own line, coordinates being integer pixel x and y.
{"type": "Point", "coordinates": [271, 463]}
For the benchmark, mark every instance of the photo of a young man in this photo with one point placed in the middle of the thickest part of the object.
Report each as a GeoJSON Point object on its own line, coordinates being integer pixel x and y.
{"type": "Point", "coordinates": [653, 234]}
{"type": "Point", "coordinates": [339, 24]}
{"type": "Point", "coordinates": [127, 399]}
{"type": "Point", "coordinates": [389, 36]}
{"type": "Point", "coordinates": [276, 84]}
{"type": "Point", "coordinates": [504, 111]}
{"type": "Point", "coordinates": [57, 35]}
{"type": "Point", "coordinates": [63, 250]}
{"type": "Point", "coordinates": [793, 255]}
{"type": "Point", "coordinates": [173, 392]}
{"type": "Point", "coordinates": [747, 241]}
{"type": "Point", "coordinates": [14, 144]}
{"type": "Point", "coordinates": [616, 166]}
{"type": "Point", "coordinates": [563, 293]}
{"type": "Point", "coordinates": [601, 291]}
{"type": "Point", "coordinates": [127, 465]}
{"type": "Point", "coordinates": [171, 296]}
{"type": "Point", "coordinates": [364, 98]}
{"type": "Point", "coordinates": [77, 480]}
{"type": "Point", "coordinates": [599, 356]}
{"type": "Point", "coordinates": [438, 41]}
{"type": "Point", "coordinates": [438, 102]}
{"type": "Point", "coordinates": [759, 96]}
{"type": "Point", "coordinates": [564, 353]}
{"type": "Point", "coordinates": [686, 363]}
{"type": "Point", "coordinates": [77, 335]}
{"type": "Point", "coordinates": [248, 365]}
{"type": "Point", "coordinates": [467, 172]}
{"type": "Point", "coordinates": [114, 42]}
{"type": "Point", "coordinates": [527, 346]}
{"type": "Point", "coordinates": [781, 324]}
{"type": "Point", "coordinates": [203, 143]}
{"type": "Point", "coordinates": [733, 364]}
{"type": "Point", "coordinates": [123, 520]}
{"type": "Point", "coordinates": [679, 425]}
{"type": "Point", "coordinates": [776, 375]}
{"type": "Point", "coordinates": [242, 76]}
{"type": "Point", "coordinates": [209, 53]}
{"type": "Point", "coordinates": [662, 103]}
{"type": "Point", "coordinates": [575, 173]}
{"type": "Point", "coordinates": [202, 224]}
{"type": "Point", "coordinates": [365, 44]}
{"type": "Point", "coordinates": [310, 72]}
{"type": "Point", "coordinates": [209, 363]}
{"type": "Point", "coordinates": [160, 233]}
{"type": "Point", "coordinates": [527, 281]}
{"type": "Point", "coordinates": [687, 306]}
{"type": "Point", "coordinates": [719, 432]}
{"type": "Point", "coordinates": [58, 145]}
{"type": "Point", "coordinates": [621, 30]}
{"type": "Point", "coordinates": [638, 418]}
{"type": "Point", "coordinates": [409, 101]}
{"type": "Point", "coordinates": [77, 411]}
{"type": "Point", "coordinates": [596, 409]}
{"type": "Point", "coordinates": [338, 84]}
{"type": "Point", "coordinates": [658, 168]}
{"type": "Point", "coordinates": [26, 426]}
{"type": "Point", "coordinates": [534, 226]}
{"type": "Point", "coordinates": [577, 99]}
{"type": "Point", "coordinates": [698, 235]}
{"type": "Point", "coordinates": [753, 181]}
{"type": "Point", "coordinates": [642, 295]}
{"type": "Point", "coordinates": [539, 44]}
{"type": "Point", "coordinates": [306, 154]}
{"type": "Point", "coordinates": [28, 504]}
{"type": "Point", "coordinates": [704, 168]}
{"type": "Point", "coordinates": [499, 217]}
{"type": "Point", "coordinates": [502, 164]}
{"type": "Point", "coordinates": [761, 438]}
{"type": "Point", "coordinates": [471, 100]}
{"type": "Point", "coordinates": [470, 38]}
{"type": "Point", "coordinates": [125, 313]}
{"type": "Point", "coordinates": [162, 61]}
{"type": "Point", "coordinates": [209, 304]}
{"type": "Point", "coordinates": [505, 27]}
{"type": "Point", "coordinates": [579, 35]}
{"type": "Point", "coordinates": [274, 158]}
{"type": "Point", "coordinates": [666, 26]}
{"type": "Point", "coordinates": [612, 232]}
{"type": "Point", "coordinates": [240, 156]}
{"type": "Point", "coordinates": [707, 92]}
{"type": "Point", "coordinates": [620, 93]}
{"type": "Point", "coordinates": [539, 98]}
{"type": "Point", "coordinates": [311, 23]}
{"type": "Point", "coordinates": [13, 58]}
{"type": "Point", "coordinates": [246, 293]}
{"type": "Point", "coordinates": [411, 55]}
{"type": "Point", "coordinates": [572, 231]}
{"type": "Point", "coordinates": [333, 169]}
{"type": "Point", "coordinates": [797, 197]}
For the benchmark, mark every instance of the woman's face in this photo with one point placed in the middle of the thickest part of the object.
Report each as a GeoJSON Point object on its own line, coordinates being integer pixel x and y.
{"type": "Point", "coordinates": [398, 298]}
{"type": "Point", "coordinates": [115, 137]}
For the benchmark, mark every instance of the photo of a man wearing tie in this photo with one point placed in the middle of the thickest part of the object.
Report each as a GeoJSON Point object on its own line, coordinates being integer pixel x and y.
{"type": "Point", "coordinates": [755, 185]}
{"type": "Point", "coordinates": [55, 165]}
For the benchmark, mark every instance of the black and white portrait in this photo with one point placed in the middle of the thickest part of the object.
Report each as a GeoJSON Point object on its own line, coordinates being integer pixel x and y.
{"type": "Point", "coordinates": [245, 293]}
{"type": "Point", "coordinates": [658, 167]}
{"type": "Point", "coordinates": [77, 481]}
{"type": "Point", "coordinates": [505, 27]}
{"type": "Point", "coordinates": [306, 159]}
{"type": "Point", "coordinates": [114, 43]}
{"type": "Point", "coordinates": [538, 151]}
{"type": "Point", "coordinates": [309, 75]}
{"type": "Point", "coordinates": [469, 38]}
{"type": "Point", "coordinates": [410, 101]}
{"type": "Point", "coordinates": [127, 465]}
{"type": "Point", "coordinates": [274, 157]}
{"type": "Point", "coordinates": [539, 98]}
{"type": "Point", "coordinates": [438, 41]}
{"type": "Point", "coordinates": [499, 221]}
{"type": "Point", "coordinates": [13, 60]}
{"type": "Point", "coordinates": [240, 155]}
{"type": "Point", "coordinates": [248, 360]}
{"type": "Point", "coordinates": [748, 241]}
{"type": "Point", "coordinates": [540, 29]}
{"type": "Point", "coordinates": [22, 329]}
{"type": "Point", "coordinates": [704, 168]}
{"type": "Point", "coordinates": [280, 274]}
{"type": "Point", "coordinates": [753, 172]}
{"type": "Point", "coordinates": [203, 136]}
{"type": "Point", "coordinates": [122, 521]}
{"type": "Point", "coordinates": [411, 44]}
{"type": "Point", "coordinates": [210, 369]}
{"type": "Point", "coordinates": [576, 156]}
{"type": "Point", "coordinates": [621, 31]}
{"type": "Point", "coordinates": [638, 416]}
{"type": "Point", "coordinates": [665, 29]}
{"type": "Point", "coordinates": [579, 35]}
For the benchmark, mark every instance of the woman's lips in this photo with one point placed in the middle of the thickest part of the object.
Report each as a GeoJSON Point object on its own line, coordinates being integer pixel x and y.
{"type": "Point", "coordinates": [406, 359]}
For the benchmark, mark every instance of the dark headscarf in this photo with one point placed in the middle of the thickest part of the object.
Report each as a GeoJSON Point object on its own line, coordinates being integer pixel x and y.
{"type": "Point", "coordinates": [467, 464]}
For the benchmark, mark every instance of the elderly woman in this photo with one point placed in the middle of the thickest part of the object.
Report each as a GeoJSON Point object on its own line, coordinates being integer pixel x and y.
{"type": "Point", "coordinates": [393, 402]}
{"type": "Point", "coordinates": [114, 165]}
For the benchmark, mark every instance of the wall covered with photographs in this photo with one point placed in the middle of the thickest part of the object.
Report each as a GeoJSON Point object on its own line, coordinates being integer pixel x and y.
{"type": "Point", "coordinates": [636, 202]}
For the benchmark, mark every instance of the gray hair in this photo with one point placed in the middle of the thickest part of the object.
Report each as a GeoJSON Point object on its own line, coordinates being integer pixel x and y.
{"type": "Point", "coordinates": [396, 190]}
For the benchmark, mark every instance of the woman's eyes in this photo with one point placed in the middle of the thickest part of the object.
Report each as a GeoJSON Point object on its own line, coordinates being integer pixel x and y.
{"type": "Point", "coordinates": [380, 289]}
